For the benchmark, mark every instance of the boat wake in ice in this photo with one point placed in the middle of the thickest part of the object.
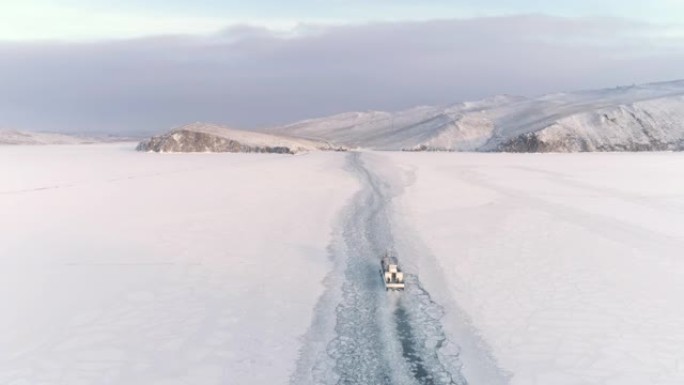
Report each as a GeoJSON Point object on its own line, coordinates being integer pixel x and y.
{"type": "Point", "coordinates": [379, 337]}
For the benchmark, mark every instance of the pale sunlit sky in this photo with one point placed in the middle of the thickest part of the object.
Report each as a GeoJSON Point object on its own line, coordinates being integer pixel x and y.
{"type": "Point", "coordinates": [129, 67]}
{"type": "Point", "coordinates": [102, 19]}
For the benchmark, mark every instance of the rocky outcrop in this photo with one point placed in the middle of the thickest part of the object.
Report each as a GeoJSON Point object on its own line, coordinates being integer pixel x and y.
{"type": "Point", "coordinates": [200, 137]}
{"type": "Point", "coordinates": [534, 142]}
{"type": "Point", "coordinates": [191, 141]}
{"type": "Point", "coordinates": [653, 125]}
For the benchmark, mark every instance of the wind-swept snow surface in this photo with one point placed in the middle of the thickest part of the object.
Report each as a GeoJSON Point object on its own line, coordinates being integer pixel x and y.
{"type": "Point", "coordinates": [129, 268]}
{"type": "Point", "coordinates": [122, 267]}
{"type": "Point", "coordinates": [569, 265]}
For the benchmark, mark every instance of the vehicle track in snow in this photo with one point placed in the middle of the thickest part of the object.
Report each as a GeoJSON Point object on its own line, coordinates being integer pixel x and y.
{"type": "Point", "coordinates": [379, 337]}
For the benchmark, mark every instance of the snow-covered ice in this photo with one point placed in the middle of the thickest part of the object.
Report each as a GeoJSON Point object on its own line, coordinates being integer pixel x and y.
{"type": "Point", "coordinates": [120, 267]}
{"type": "Point", "coordinates": [569, 266]}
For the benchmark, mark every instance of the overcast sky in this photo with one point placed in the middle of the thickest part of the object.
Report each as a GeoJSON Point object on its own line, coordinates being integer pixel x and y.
{"type": "Point", "coordinates": [89, 66]}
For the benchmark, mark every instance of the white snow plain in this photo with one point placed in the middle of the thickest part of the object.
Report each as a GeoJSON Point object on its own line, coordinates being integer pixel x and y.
{"type": "Point", "coordinates": [121, 267]}
{"type": "Point", "coordinates": [570, 266]}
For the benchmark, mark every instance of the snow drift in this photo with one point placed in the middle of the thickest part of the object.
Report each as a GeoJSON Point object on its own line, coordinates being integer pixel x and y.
{"type": "Point", "coordinates": [201, 137]}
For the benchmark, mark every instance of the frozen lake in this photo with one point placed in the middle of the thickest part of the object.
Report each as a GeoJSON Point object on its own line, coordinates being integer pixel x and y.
{"type": "Point", "coordinates": [119, 267]}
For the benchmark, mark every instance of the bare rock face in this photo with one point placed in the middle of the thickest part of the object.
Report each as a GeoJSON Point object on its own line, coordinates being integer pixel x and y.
{"type": "Point", "coordinates": [200, 137]}
{"type": "Point", "coordinates": [192, 141]}
{"type": "Point", "coordinates": [531, 142]}
{"type": "Point", "coordinates": [534, 142]}
{"type": "Point", "coordinates": [652, 125]}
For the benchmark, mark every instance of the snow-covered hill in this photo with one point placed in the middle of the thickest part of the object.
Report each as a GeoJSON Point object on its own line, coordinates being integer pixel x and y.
{"type": "Point", "coordinates": [635, 118]}
{"type": "Point", "coordinates": [203, 137]}
{"type": "Point", "coordinates": [23, 137]}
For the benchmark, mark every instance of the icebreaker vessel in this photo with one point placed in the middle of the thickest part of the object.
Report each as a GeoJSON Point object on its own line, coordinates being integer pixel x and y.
{"type": "Point", "coordinates": [392, 275]}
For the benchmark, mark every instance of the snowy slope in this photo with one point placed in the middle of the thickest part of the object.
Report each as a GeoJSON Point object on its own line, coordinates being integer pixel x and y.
{"type": "Point", "coordinates": [646, 117]}
{"type": "Point", "coordinates": [204, 137]}
{"type": "Point", "coordinates": [24, 137]}
{"type": "Point", "coordinates": [457, 127]}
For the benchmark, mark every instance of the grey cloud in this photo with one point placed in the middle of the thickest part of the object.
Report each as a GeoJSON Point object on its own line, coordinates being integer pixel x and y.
{"type": "Point", "coordinates": [249, 77]}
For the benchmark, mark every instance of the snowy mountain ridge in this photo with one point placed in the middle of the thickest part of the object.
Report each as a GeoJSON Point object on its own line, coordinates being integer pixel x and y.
{"type": "Point", "coordinates": [636, 118]}
{"type": "Point", "coordinates": [39, 138]}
